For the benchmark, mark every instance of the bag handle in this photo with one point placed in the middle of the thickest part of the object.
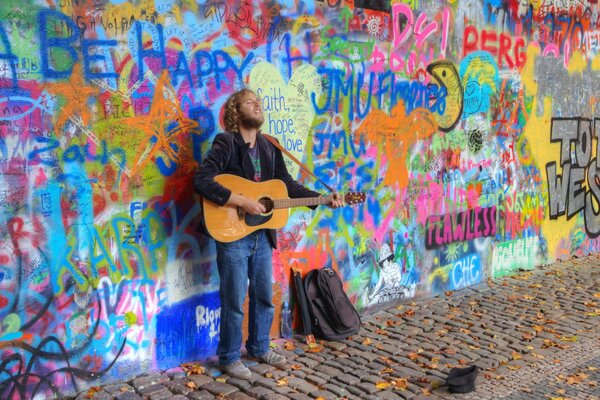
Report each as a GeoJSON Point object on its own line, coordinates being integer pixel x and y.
{"type": "Point", "coordinates": [275, 143]}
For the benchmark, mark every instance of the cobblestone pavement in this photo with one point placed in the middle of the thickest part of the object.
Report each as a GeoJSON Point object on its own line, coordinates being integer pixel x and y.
{"type": "Point", "coordinates": [533, 336]}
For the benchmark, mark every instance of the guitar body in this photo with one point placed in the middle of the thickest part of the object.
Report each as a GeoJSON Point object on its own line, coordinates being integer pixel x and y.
{"type": "Point", "coordinates": [230, 223]}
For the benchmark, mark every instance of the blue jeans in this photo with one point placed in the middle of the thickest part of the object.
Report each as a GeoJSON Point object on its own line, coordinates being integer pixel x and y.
{"type": "Point", "coordinates": [243, 264]}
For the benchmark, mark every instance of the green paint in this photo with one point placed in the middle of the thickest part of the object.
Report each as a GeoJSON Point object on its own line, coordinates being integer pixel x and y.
{"type": "Point", "coordinates": [130, 318]}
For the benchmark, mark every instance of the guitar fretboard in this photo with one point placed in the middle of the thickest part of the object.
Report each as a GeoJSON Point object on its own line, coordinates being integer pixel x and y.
{"type": "Point", "coordinates": [301, 202]}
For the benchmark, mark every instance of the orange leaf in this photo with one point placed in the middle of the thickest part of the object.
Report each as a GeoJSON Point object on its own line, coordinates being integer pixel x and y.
{"type": "Point", "coordinates": [401, 384]}
{"type": "Point", "coordinates": [191, 385]}
{"type": "Point", "coordinates": [282, 382]}
{"type": "Point", "coordinates": [382, 385]}
{"type": "Point", "coordinates": [296, 366]}
{"type": "Point", "coordinates": [289, 346]}
{"type": "Point", "coordinates": [367, 341]}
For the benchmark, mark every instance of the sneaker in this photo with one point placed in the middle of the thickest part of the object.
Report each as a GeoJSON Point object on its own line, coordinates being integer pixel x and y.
{"type": "Point", "coordinates": [237, 369]}
{"type": "Point", "coordinates": [272, 358]}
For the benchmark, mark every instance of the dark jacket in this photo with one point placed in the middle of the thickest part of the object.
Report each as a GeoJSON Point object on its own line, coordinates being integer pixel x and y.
{"type": "Point", "coordinates": [229, 155]}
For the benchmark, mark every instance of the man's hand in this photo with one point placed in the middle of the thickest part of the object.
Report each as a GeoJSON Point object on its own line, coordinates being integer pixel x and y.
{"type": "Point", "coordinates": [253, 207]}
{"type": "Point", "coordinates": [336, 201]}
{"type": "Point", "coordinates": [249, 205]}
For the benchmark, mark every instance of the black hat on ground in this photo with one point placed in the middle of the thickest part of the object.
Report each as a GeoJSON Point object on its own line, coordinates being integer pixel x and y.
{"type": "Point", "coordinates": [462, 380]}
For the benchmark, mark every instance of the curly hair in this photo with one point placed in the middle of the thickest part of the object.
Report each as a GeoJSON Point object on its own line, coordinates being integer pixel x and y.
{"type": "Point", "coordinates": [231, 115]}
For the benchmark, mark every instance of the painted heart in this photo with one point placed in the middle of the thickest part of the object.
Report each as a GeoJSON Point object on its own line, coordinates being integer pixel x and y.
{"type": "Point", "coordinates": [287, 107]}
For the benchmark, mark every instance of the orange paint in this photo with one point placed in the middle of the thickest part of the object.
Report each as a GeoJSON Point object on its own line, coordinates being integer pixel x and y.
{"type": "Point", "coordinates": [397, 133]}
{"type": "Point", "coordinates": [167, 123]}
{"type": "Point", "coordinates": [75, 94]}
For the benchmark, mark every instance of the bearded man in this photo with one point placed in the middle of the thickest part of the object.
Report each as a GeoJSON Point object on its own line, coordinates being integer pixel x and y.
{"type": "Point", "coordinates": [246, 264]}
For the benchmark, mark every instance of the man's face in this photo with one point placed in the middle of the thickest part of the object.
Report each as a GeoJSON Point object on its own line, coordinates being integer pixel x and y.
{"type": "Point", "coordinates": [251, 115]}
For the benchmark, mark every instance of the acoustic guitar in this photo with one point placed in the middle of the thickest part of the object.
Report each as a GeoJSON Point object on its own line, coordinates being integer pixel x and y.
{"type": "Point", "coordinates": [229, 223]}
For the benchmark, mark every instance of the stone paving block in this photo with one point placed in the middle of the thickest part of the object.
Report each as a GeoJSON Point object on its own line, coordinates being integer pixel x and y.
{"type": "Point", "coordinates": [327, 370]}
{"type": "Point", "coordinates": [316, 380]}
{"type": "Point", "coordinates": [310, 363]}
{"type": "Point", "coordinates": [367, 387]}
{"type": "Point", "coordinates": [304, 386]}
{"type": "Point", "coordinates": [273, 396]}
{"type": "Point", "coordinates": [239, 396]}
{"type": "Point", "coordinates": [241, 384]}
{"type": "Point", "coordinates": [336, 389]}
{"type": "Point", "coordinates": [200, 380]}
{"type": "Point", "coordinates": [338, 346]}
{"type": "Point", "coordinates": [118, 388]}
{"type": "Point", "coordinates": [299, 396]}
{"type": "Point", "coordinates": [324, 394]}
{"type": "Point", "coordinates": [219, 388]}
{"type": "Point", "coordinates": [128, 396]}
{"type": "Point", "coordinates": [101, 395]}
{"type": "Point", "coordinates": [152, 389]}
{"type": "Point", "coordinates": [261, 369]}
{"type": "Point", "coordinates": [259, 392]}
{"type": "Point", "coordinates": [356, 391]}
{"type": "Point", "coordinates": [299, 373]}
{"type": "Point", "coordinates": [148, 380]}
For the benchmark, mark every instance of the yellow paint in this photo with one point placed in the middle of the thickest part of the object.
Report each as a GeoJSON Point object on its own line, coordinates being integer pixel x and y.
{"type": "Point", "coordinates": [537, 132]}
{"type": "Point", "coordinates": [266, 80]}
{"type": "Point", "coordinates": [577, 63]}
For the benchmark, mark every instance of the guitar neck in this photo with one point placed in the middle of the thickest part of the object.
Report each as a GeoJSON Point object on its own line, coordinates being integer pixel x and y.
{"type": "Point", "coordinates": [301, 202]}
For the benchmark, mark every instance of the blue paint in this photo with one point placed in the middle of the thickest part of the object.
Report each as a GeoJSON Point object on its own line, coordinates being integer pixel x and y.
{"type": "Point", "coordinates": [9, 57]}
{"type": "Point", "coordinates": [186, 332]}
{"type": "Point", "coordinates": [63, 43]}
{"type": "Point", "coordinates": [89, 59]}
{"type": "Point", "coordinates": [158, 45]}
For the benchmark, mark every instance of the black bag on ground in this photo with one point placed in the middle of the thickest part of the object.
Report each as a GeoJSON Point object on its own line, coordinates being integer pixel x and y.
{"type": "Point", "coordinates": [462, 380]}
{"type": "Point", "coordinates": [333, 316]}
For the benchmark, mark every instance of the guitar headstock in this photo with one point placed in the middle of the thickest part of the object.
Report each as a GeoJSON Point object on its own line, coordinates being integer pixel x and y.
{"type": "Point", "coordinates": [354, 198]}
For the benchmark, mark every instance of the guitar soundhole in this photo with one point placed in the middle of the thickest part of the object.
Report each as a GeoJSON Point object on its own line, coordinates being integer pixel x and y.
{"type": "Point", "coordinates": [268, 203]}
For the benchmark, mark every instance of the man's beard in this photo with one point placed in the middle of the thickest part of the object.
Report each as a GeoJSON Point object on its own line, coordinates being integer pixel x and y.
{"type": "Point", "coordinates": [250, 121]}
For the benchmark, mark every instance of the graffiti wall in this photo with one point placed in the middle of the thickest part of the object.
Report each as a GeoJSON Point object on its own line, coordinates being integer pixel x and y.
{"type": "Point", "coordinates": [471, 125]}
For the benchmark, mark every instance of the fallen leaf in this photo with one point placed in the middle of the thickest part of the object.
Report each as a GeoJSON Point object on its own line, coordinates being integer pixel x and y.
{"type": "Point", "coordinates": [593, 368]}
{"type": "Point", "coordinates": [367, 341]}
{"type": "Point", "coordinates": [513, 367]}
{"type": "Point", "coordinates": [448, 292]}
{"type": "Point", "coordinates": [537, 328]}
{"type": "Point", "coordinates": [191, 385]}
{"type": "Point", "coordinates": [386, 370]}
{"type": "Point", "coordinates": [296, 367]}
{"type": "Point", "coordinates": [268, 375]}
{"type": "Point", "coordinates": [314, 348]}
{"type": "Point", "coordinates": [282, 382]}
{"type": "Point", "coordinates": [426, 391]}
{"type": "Point", "coordinates": [289, 346]}
{"type": "Point", "coordinates": [568, 338]}
{"type": "Point", "coordinates": [597, 295]}
{"type": "Point", "coordinates": [400, 384]}
{"type": "Point", "coordinates": [221, 379]}
{"type": "Point", "coordinates": [516, 356]}
{"type": "Point", "coordinates": [382, 385]}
